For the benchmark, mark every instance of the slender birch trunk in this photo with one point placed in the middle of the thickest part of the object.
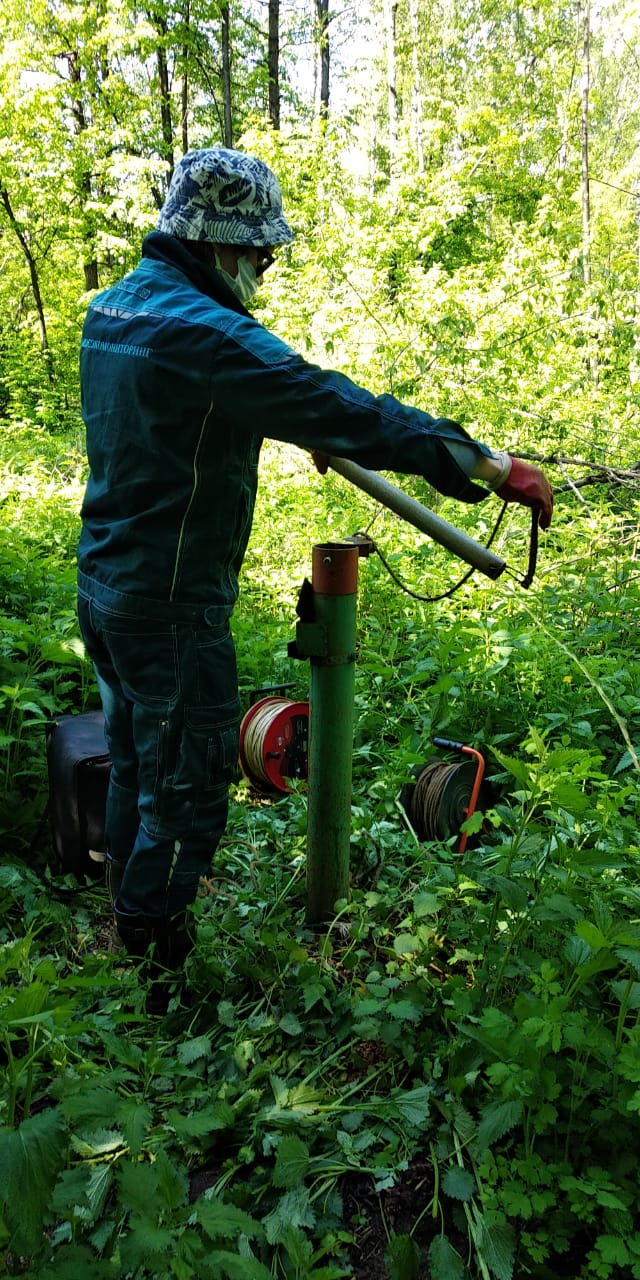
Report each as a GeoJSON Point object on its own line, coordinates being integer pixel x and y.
{"type": "Point", "coordinates": [226, 75]}
{"type": "Point", "coordinates": [390, 15]}
{"type": "Point", "coordinates": [416, 91]}
{"type": "Point", "coordinates": [273, 63]}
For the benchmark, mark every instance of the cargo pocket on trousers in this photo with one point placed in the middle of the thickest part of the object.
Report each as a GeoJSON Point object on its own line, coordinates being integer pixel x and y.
{"type": "Point", "coordinates": [223, 749]}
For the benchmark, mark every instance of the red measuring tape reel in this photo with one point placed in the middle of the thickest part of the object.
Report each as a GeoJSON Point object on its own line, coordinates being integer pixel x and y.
{"type": "Point", "coordinates": [274, 743]}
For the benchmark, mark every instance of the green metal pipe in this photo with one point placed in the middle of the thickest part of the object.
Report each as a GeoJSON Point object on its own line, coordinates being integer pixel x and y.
{"type": "Point", "coordinates": [330, 641]}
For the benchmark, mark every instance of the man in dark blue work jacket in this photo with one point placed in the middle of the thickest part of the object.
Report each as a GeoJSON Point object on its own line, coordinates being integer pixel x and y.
{"type": "Point", "coordinates": [179, 387]}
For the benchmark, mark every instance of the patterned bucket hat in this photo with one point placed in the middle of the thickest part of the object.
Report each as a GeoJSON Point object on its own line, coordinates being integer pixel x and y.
{"type": "Point", "coordinates": [224, 197]}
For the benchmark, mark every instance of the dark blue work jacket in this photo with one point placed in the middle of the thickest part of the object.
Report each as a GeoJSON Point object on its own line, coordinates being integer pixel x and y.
{"type": "Point", "coordinates": [179, 387]}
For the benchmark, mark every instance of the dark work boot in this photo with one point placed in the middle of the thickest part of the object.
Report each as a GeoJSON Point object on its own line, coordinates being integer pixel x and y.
{"type": "Point", "coordinates": [163, 943]}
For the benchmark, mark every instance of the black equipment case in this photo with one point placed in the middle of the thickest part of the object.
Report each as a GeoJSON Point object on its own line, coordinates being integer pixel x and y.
{"type": "Point", "coordinates": [79, 766]}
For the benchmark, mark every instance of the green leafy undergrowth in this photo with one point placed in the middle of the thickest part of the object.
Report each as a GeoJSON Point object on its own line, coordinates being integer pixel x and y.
{"type": "Point", "coordinates": [462, 1040]}
{"type": "Point", "coordinates": [43, 670]}
{"type": "Point", "coordinates": [479, 1014]}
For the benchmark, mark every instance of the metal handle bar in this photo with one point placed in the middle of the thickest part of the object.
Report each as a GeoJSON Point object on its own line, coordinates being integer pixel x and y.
{"type": "Point", "coordinates": [420, 517]}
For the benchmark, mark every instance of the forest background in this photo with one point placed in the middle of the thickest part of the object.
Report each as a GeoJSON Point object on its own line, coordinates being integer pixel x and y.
{"type": "Point", "coordinates": [450, 1087]}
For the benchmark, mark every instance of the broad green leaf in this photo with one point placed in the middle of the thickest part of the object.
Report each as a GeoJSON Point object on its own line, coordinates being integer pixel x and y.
{"type": "Point", "coordinates": [626, 992]}
{"type": "Point", "coordinates": [413, 1104]}
{"type": "Point", "coordinates": [577, 951]}
{"type": "Point", "coordinates": [625, 762]}
{"type": "Point", "coordinates": [230, 1266]}
{"type": "Point", "coordinates": [459, 1183]}
{"type": "Point", "coordinates": [293, 1210]}
{"type": "Point", "coordinates": [444, 1262]}
{"type": "Point", "coordinates": [427, 904]}
{"type": "Point", "coordinates": [629, 1062]}
{"type": "Point", "coordinates": [121, 1048]}
{"type": "Point", "coordinates": [73, 1262]}
{"type": "Point", "coordinates": [134, 1118]}
{"type": "Point", "coordinates": [226, 1014]}
{"type": "Point", "coordinates": [403, 1011]}
{"type": "Point", "coordinates": [27, 1005]}
{"type": "Point", "coordinates": [138, 1183]}
{"type": "Point", "coordinates": [517, 768]}
{"type": "Point", "coordinates": [497, 1118]}
{"type": "Point", "coordinates": [101, 1142]}
{"type": "Point", "coordinates": [292, 1162]}
{"type": "Point", "coordinates": [496, 1243]}
{"type": "Point", "coordinates": [190, 1050]}
{"type": "Point", "coordinates": [98, 1186]}
{"type": "Point", "coordinates": [222, 1221]}
{"type": "Point", "coordinates": [303, 1098]}
{"type": "Point", "coordinates": [30, 1159]}
{"type": "Point", "coordinates": [613, 1250]}
{"type": "Point", "coordinates": [630, 957]}
{"type": "Point", "coordinates": [290, 1024]}
{"type": "Point", "coordinates": [197, 1124]}
{"type": "Point", "coordinates": [145, 1239]}
{"type": "Point", "coordinates": [91, 1104]}
{"type": "Point", "coordinates": [462, 1121]}
{"type": "Point", "coordinates": [312, 993]}
{"type": "Point", "coordinates": [61, 652]}
{"type": "Point", "coordinates": [406, 944]}
{"type": "Point", "coordinates": [173, 1183]}
{"type": "Point", "coordinates": [497, 1024]}
{"type": "Point", "coordinates": [402, 1258]}
{"type": "Point", "coordinates": [591, 934]}
{"type": "Point", "coordinates": [571, 797]}
{"type": "Point", "coordinates": [474, 824]}
{"type": "Point", "coordinates": [80, 1192]}
{"type": "Point", "coordinates": [69, 1198]}
{"type": "Point", "coordinates": [514, 894]}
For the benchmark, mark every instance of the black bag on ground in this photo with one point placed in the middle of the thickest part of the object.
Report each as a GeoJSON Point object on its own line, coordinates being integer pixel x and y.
{"type": "Point", "coordinates": [78, 765]}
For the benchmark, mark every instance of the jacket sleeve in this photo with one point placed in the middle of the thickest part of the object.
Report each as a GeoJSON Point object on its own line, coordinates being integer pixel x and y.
{"type": "Point", "coordinates": [261, 385]}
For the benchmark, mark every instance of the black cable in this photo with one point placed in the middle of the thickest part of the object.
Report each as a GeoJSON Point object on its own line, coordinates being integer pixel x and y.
{"type": "Point", "coordinates": [445, 595]}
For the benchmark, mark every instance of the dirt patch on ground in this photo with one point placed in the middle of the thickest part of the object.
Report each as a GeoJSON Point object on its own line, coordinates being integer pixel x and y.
{"type": "Point", "coordinates": [374, 1217]}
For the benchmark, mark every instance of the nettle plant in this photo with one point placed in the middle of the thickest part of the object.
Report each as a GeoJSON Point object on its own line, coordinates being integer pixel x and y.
{"type": "Point", "coordinates": [463, 1039]}
{"type": "Point", "coordinates": [478, 1018]}
{"type": "Point", "coordinates": [43, 671]}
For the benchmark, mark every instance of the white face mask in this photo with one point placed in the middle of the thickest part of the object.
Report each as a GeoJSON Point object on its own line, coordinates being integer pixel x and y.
{"type": "Point", "coordinates": [246, 282]}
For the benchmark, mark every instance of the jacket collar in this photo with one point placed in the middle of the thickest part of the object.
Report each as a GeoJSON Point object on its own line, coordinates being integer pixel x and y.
{"type": "Point", "coordinates": [163, 248]}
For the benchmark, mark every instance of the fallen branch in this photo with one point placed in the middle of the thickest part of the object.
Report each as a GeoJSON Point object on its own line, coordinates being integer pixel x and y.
{"type": "Point", "coordinates": [602, 473]}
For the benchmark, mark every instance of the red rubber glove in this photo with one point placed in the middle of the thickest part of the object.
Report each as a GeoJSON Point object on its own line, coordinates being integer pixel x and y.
{"type": "Point", "coordinates": [320, 461]}
{"type": "Point", "coordinates": [530, 487]}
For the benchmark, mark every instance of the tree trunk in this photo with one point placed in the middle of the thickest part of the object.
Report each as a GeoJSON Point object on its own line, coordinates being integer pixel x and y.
{"type": "Point", "coordinates": [390, 14]}
{"type": "Point", "coordinates": [184, 90]}
{"type": "Point", "coordinates": [591, 318]}
{"type": "Point", "coordinates": [416, 92]}
{"type": "Point", "coordinates": [166, 117]}
{"type": "Point", "coordinates": [584, 139]}
{"type": "Point", "coordinates": [322, 28]}
{"type": "Point", "coordinates": [634, 363]}
{"type": "Point", "coordinates": [90, 265]}
{"type": "Point", "coordinates": [273, 63]}
{"type": "Point", "coordinates": [33, 272]}
{"type": "Point", "coordinates": [226, 75]}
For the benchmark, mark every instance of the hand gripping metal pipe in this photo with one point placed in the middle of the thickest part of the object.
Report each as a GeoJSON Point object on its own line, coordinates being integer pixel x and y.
{"type": "Point", "coordinates": [420, 517]}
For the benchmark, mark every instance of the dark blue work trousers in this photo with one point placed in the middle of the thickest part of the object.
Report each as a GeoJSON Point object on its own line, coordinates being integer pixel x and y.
{"type": "Point", "coordinates": [168, 683]}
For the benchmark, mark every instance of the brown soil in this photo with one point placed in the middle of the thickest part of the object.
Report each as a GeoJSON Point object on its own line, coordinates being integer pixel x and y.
{"type": "Point", "coordinates": [374, 1217]}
